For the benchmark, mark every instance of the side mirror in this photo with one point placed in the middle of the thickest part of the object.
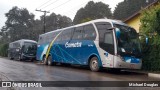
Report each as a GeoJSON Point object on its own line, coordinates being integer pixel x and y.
{"type": "Point", "coordinates": [118, 32]}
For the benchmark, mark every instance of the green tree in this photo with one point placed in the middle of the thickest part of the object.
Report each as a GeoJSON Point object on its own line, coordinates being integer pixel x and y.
{"type": "Point", "coordinates": [18, 24]}
{"type": "Point", "coordinates": [53, 22]}
{"type": "Point", "coordinates": [4, 38]}
{"type": "Point", "coordinates": [128, 7]}
{"type": "Point", "coordinates": [21, 24]}
{"type": "Point", "coordinates": [150, 26]}
{"type": "Point", "coordinates": [92, 11]}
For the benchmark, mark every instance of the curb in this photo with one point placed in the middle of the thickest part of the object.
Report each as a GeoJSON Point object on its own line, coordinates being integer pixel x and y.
{"type": "Point", "coordinates": [154, 75]}
{"type": "Point", "coordinates": [134, 71]}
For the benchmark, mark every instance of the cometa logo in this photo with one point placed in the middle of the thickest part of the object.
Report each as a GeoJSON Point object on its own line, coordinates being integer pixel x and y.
{"type": "Point", "coordinates": [69, 45]}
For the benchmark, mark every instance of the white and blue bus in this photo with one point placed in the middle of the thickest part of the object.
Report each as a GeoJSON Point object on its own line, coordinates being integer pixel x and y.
{"type": "Point", "coordinates": [98, 43]}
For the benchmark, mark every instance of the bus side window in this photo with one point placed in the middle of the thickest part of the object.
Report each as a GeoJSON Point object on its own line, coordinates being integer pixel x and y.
{"type": "Point", "coordinates": [102, 28]}
{"type": "Point", "coordinates": [66, 34]}
{"type": "Point", "coordinates": [10, 45]}
{"type": "Point", "coordinates": [57, 38]}
{"type": "Point", "coordinates": [53, 36]}
{"type": "Point", "coordinates": [16, 45]}
{"type": "Point", "coordinates": [89, 32]}
{"type": "Point", "coordinates": [108, 38]}
{"type": "Point", "coordinates": [78, 33]}
{"type": "Point", "coordinates": [50, 37]}
{"type": "Point", "coordinates": [41, 38]}
{"type": "Point", "coordinates": [47, 38]}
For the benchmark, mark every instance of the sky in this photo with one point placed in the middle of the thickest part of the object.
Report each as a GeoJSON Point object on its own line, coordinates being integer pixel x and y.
{"type": "Point", "coordinates": [63, 7]}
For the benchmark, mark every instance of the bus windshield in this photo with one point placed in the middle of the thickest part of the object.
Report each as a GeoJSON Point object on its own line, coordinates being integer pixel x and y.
{"type": "Point", "coordinates": [29, 48]}
{"type": "Point", "coordinates": [128, 42]}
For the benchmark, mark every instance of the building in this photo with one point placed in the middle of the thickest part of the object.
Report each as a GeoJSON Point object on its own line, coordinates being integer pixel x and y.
{"type": "Point", "coordinates": [134, 20]}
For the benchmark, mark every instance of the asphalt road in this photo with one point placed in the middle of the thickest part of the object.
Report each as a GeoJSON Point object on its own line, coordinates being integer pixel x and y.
{"type": "Point", "coordinates": [11, 70]}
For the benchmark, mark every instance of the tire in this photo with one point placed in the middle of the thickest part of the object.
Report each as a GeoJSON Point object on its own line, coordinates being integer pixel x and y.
{"type": "Point", "coordinates": [49, 61]}
{"type": "Point", "coordinates": [19, 58]}
{"type": "Point", "coordinates": [45, 60]}
{"type": "Point", "coordinates": [94, 65]}
{"type": "Point", "coordinates": [9, 56]}
{"type": "Point", "coordinates": [32, 60]}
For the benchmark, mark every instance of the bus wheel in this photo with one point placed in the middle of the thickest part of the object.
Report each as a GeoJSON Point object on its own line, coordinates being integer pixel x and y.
{"type": "Point", "coordinates": [49, 60]}
{"type": "Point", "coordinates": [45, 60]}
{"type": "Point", "coordinates": [94, 64]}
{"type": "Point", "coordinates": [32, 60]}
{"type": "Point", "coordinates": [10, 57]}
{"type": "Point", "coordinates": [19, 58]}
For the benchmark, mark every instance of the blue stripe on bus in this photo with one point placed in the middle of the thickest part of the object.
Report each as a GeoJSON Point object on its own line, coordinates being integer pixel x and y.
{"type": "Point", "coordinates": [73, 55]}
{"type": "Point", "coordinates": [63, 51]}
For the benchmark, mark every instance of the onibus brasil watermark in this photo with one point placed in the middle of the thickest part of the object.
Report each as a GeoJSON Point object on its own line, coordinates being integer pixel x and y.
{"type": "Point", "coordinates": [21, 84]}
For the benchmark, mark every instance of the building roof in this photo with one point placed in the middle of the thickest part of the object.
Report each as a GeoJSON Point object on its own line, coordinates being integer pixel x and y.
{"type": "Point", "coordinates": [138, 12]}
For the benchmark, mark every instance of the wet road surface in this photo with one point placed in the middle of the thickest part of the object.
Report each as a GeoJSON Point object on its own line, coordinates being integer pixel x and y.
{"type": "Point", "coordinates": [28, 71]}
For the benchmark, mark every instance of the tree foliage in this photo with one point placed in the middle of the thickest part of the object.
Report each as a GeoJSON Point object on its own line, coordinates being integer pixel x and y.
{"type": "Point", "coordinates": [150, 26]}
{"type": "Point", "coordinates": [92, 11]}
{"type": "Point", "coordinates": [20, 24]}
{"type": "Point", "coordinates": [3, 49]}
{"type": "Point", "coordinates": [128, 7]}
{"type": "Point", "coordinates": [53, 22]}
{"type": "Point", "coordinates": [19, 21]}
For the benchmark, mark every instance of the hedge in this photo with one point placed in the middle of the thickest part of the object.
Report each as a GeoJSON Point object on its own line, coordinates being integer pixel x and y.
{"type": "Point", "coordinates": [3, 49]}
{"type": "Point", "coordinates": [150, 26]}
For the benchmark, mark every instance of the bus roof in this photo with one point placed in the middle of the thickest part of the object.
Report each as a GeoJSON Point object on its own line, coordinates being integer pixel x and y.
{"type": "Point", "coordinates": [24, 40]}
{"type": "Point", "coordinates": [93, 21]}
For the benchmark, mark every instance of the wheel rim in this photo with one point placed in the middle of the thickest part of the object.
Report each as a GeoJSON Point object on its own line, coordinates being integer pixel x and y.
{"type": "Point", "coordinates": [94, 64]}
{"type": "Point", "coordinates": [44, 60]}
{"type": "Point", "coordinates": [19, 57]}
{"type": "Point", "coordinates": [49, 62]}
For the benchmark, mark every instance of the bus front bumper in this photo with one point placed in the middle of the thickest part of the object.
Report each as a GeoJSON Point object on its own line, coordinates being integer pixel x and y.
{"type": "Point", "coordinates": [27, 57]}
{"type": "Point", "coordinates": [120, 63]}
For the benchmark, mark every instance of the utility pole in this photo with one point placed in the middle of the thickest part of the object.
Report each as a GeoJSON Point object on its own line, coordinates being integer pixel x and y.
{"type": "Point", "coordinates": [44, 19]}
